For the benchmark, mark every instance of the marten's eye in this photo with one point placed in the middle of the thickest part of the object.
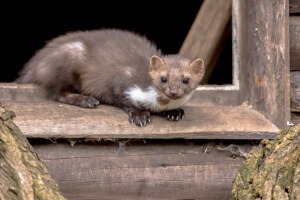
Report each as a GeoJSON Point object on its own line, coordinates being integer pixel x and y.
{"type": "Point", "coordinates": [163, 79]}
{"type": "Point", "coordinates": [185, 80]}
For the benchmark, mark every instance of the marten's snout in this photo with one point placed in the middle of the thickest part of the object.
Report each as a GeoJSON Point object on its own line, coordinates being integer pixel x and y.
{"type": "Point", "coordinates": [173, 92]}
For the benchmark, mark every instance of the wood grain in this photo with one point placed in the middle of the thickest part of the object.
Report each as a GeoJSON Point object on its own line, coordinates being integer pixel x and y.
{"type": "Point", "coordinates": [138, 170]}
{"type": "Point", "coordinates": [295, 91]}
{"type": "Point", "coordinates": [21, 92]}
{"type": "Point", "coordinates": [262, 35]}
{"type": "Point", "coordinates": [295, 117]}
{"type": "Point", "coordinates": [205, 95]}
{"type": "Point", "coordinates": [48, 119]}
{"type": "Point", "coordinates": [294, 6]}
{"type": "Point", "coordinates": [295, 42]}
{"type": "Point", "coordinates": [39, 117]}
{"type": "Point", "coordinates": [205, 38]}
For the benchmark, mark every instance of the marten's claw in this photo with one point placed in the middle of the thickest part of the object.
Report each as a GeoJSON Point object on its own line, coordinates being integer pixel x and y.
{"type": "Point", "coordinates": [139, 118]}
{"type": "Point", "coordinates": [91, 102]}
{"type": "Point", "coordinates": [174, 115]}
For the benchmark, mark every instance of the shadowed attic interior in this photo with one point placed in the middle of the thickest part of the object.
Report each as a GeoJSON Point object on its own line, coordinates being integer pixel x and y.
{"type": "Point", "coordinates": [168, 31]}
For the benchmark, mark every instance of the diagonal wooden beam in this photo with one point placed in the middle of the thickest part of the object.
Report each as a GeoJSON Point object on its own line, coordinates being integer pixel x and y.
{"type": "Point", "coordinates": [206, 36]}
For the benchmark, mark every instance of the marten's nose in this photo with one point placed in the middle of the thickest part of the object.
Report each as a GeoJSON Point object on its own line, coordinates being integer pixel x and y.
{"type": "Point", "coordinates": [173, 92]}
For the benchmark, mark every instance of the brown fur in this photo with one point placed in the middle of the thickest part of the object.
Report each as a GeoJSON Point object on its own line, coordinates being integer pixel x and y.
{"type": "Point", "coordinates": [85, 68]}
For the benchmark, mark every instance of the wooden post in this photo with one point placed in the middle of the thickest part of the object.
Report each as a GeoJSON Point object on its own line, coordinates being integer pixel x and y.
{"type": "Point", "coordinates": [263, 49]}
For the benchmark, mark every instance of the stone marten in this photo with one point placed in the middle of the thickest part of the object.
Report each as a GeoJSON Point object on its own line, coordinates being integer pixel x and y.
{"type": "Point", "coordinates": [114, 67]}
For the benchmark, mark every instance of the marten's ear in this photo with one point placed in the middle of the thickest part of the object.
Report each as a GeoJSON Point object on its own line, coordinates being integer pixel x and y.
{"type": "Point", "coordinates": [197, 66]}
{"type": "Point", "coordinates": [156, 63]}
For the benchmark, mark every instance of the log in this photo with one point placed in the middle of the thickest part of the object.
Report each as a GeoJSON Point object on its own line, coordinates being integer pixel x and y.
{"type": "Point", "coordinates": [22, 174]}
{"type": "Point", "coordinates": [272, 171]}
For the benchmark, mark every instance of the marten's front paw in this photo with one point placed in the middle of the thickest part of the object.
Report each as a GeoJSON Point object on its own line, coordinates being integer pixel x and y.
{"type": "Point", "coordinates": [139, 118]}
{"type": "Point", "coordinates": [174, 115]}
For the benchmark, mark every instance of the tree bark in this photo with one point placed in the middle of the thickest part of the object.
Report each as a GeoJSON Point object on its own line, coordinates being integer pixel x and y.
{"type": "Point", "coordinates": [23, 176]}
{"type": "Point", "coordinates": [272, 171]}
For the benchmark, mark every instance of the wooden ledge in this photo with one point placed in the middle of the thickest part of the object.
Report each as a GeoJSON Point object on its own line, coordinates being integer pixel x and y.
{"type": "Point", "coordinates": [48, 119]}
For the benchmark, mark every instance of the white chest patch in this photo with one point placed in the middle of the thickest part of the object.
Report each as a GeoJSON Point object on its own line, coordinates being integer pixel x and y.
{"type": "Point", "coordinates": [148, 99]}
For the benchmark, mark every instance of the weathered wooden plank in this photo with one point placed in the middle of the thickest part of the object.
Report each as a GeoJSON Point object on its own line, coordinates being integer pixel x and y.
{"type": "Point", "coordinates": [295, 91]}
{"type": "Point", "coordinates": [205, 95]}
{"type": "Point", "coordinates": [206, 35]}
{"type": "Point", "coordinates": [227, 95]}
{"type": "Point", "coordinates": [204, 120]}
{"type": "Point", "coordinates": [177, 170]}
{"type": "Point", "coordinates": [294, 6]}
{"type": "Point", "coordinates": [21, 92]}
{"type": "Point", "coordinates": [262, 34]}
{"type": "Point", "coordinates": [295, 42]}
{"type": "Point", "coordinates": [49, 119]}
{"type": "Point", "coordinates": [149, 190]}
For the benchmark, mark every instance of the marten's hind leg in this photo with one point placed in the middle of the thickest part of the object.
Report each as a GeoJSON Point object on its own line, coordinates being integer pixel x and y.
{"type": "Point", "coordinates": [77, 99]}
{"type": "Point", "coordinates": [57, 68]}
{"type": "Point", "coordinates": [67, 89]}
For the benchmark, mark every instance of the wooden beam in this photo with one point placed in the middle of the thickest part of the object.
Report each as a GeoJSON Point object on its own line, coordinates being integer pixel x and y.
{"type": "Point", "coordinates": [295, 91]}
{"type": "Point", "coordinates": [48, 119]}
{"type": "Point", "coordinates": [205, 95]}
{"type": "Point", "coordinates": [262, 29]}
{"type": "Point", "coordinates": [295, 42]}
{"type": "Point", "coordinates": [294, 6]}
{"type": "Point", "coordinates": [144, 170]}
{"type": "Point", "coordinates": [206, 35]}
{"type": "Point", "coordinates": [39, 117]}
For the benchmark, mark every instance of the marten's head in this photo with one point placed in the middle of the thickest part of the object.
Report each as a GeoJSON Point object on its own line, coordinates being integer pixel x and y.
{"type": "Point", "coordinates": [175, 76]}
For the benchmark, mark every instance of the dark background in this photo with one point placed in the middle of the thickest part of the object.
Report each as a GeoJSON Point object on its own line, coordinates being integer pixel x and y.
{"type": "Point", "coordinates": [26, 28]}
